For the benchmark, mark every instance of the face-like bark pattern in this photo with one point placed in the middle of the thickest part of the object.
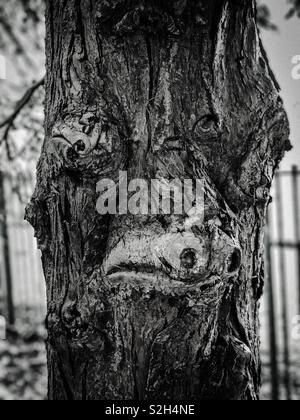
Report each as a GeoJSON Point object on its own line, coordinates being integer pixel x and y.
{"type": "Point", "coordinates": [140, 307]}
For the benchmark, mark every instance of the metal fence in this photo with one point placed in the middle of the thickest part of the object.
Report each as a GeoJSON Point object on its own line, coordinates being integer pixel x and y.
{"type": "Point", "coordinates": [22, 289]}
{"type": "Point", "coordinates": [281, 305]}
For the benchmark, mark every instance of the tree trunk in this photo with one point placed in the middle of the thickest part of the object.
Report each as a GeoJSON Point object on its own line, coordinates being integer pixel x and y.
{"type": "Point", "coordinates": [162, 89]}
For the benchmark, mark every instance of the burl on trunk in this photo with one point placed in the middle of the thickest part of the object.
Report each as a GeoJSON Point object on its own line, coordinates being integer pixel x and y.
{"type": "Point", "coordinates": [142, 307]}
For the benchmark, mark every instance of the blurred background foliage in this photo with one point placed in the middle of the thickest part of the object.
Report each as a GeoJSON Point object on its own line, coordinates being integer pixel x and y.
{"type": "Point", "coordinates": [22, 34]}
{"type": "Point", "coordinates": [264, 14]}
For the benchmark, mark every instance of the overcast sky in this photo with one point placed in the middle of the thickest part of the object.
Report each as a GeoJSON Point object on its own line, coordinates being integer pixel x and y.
{"type": "Point", "coordinates": [281, 47]}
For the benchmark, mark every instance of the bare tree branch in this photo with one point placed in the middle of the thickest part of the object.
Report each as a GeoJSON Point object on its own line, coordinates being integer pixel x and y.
{"type": "Point", "coordinates": [9, 122]}
{"type": "Point", "coordinates": [22, 103]}
{"type": "Point", "coordinates": [15, 39]}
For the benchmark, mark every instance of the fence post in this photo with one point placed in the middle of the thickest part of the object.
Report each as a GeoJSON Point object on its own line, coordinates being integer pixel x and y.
{"type": "Point", "coordinates": [296, 204]}
{"type": "Point", "coordinates": [6, 253]}
{"type": "Point", "coordinates": [272, 312]}
{"type": "Point", "coordinates": [284, 291]}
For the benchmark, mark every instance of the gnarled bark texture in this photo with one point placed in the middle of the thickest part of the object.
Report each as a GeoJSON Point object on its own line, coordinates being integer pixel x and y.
{"type": "Point", "coordinates": [173, 89]}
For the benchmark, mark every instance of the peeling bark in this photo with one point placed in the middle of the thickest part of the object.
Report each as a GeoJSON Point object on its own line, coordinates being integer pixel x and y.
{"type": "Point", "coordinates": [174, 89]}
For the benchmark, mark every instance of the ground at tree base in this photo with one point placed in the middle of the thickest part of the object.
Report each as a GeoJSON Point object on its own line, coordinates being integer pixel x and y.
{"type": "Point", "coordinates": [23, 371]}
{"type": "Point", "coordinates": [294, 373]}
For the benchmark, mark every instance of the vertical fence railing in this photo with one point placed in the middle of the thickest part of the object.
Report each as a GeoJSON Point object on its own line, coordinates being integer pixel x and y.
{"type": "Point", "coordinates": [10, 311]}
{"type": "Point", "coordinates": [287, 222]}
{"type": "Point", "coordinates": [272, 324]}
{"type": "Point", "coordinates": [22, 289]}
{"type": "Point", "coordinates": [283, 286]}
{"type": "Point", "coordinates": [296, 207]}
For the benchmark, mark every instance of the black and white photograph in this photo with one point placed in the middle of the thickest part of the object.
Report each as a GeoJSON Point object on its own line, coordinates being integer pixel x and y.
{"type": "Point", "coordinates": [150, 203]}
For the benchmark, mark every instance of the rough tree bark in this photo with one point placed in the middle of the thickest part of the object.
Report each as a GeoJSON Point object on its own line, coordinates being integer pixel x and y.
{"type": "Point", "coordinates": [173, 89]}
